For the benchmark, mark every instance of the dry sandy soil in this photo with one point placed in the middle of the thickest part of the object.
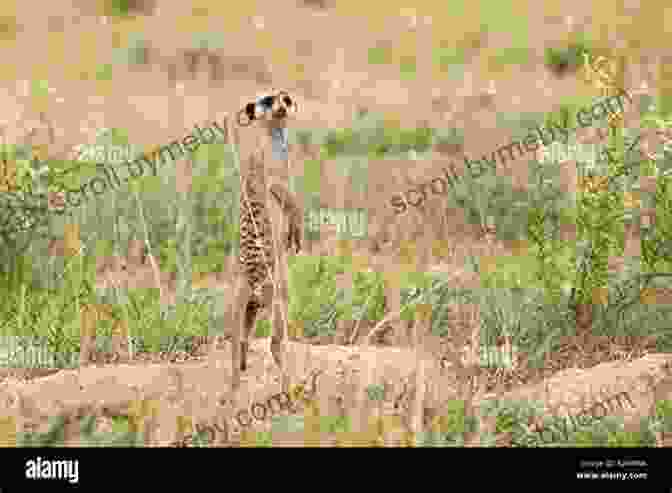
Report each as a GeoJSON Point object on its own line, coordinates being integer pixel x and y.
{"type": "Point", "coordinates": [320, 55]}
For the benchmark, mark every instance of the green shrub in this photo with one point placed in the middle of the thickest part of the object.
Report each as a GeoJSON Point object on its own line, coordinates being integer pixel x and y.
{"type": "Point", "coordinates": [376, 140]}
{"type": "Point", "coordinates": [135, 52]}
{"type": "Point", "coordinates": [662, 418]}
{"type": "Point", "coordinates": [567, 59]}
{"type": "Point", "coordinates": [408, 67]}
{"type": "Point", "coordinates": [314, 296]}
{"type": "Point", "coordinates": [451, 140]}
{"type": "Point", "coordinates": [609, 432]}
{"type": "Point", "coordinates": [380, 55]}
{"type": "Point", "coordinates": [118, 7]}
{"type": "Point", "coordinates": [122, 8]}
{"type": "Point", "coordinates": [448, 57]}
{"type": "Point", "coordinates": [512, 56]}
{"type": "Point", "coordinates": [512, 417]}
{"type": "Point", "coordinates": [104, 72]}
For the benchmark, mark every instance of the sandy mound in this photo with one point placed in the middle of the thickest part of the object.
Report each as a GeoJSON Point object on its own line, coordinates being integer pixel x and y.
{"type": "Point", "coordinates": [199, 391]}
{"type": "Point", "coordinates": [628, 389]}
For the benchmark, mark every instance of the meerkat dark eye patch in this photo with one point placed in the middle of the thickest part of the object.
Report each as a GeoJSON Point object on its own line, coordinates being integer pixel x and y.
{"type": "Point", "coordinates": [249, 110]}
{"type": "Point", "coordinates": [267, 101]}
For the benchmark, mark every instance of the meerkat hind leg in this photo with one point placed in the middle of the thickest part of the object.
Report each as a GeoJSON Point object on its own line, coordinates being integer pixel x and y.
{"type": "Point", "coordinates": [280, 303]}
{"type": "Point", "coordinates": [240, 309]}
{"type": "Point", "coordinates": [250, 317]}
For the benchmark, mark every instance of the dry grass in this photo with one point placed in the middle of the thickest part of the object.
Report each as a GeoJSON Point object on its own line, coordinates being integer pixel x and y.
{"type": "Point", "coordinates": [173, 402]}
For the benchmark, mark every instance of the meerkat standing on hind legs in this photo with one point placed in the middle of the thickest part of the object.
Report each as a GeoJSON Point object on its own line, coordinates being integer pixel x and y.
{"type": "Point", "coordinates": [270, 226]}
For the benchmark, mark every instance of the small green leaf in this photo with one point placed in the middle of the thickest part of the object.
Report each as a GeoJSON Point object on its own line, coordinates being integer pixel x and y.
{"type": "Point", "coordinates": [40, 88]}
{"type": "Point", "coordinates": [380, 55]}
{"type": "Point", "coordinates": [104, 72]}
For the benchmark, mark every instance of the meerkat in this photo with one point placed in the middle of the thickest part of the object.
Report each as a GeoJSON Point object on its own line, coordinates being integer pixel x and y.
{"type": "Point", "coordinates": [270, 226]}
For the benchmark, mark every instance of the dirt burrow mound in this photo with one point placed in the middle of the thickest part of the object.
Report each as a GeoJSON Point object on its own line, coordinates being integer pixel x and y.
{"type": "Point", "coordinates": [167, 394]}
{"type": "Point", "coordinates": [197, 390]}
{"type": "Point", "coordinates": [629, 389]}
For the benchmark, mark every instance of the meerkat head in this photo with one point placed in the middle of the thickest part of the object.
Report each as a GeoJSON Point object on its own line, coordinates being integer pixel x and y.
{"type": "Point", "coordinates": [274, 107]}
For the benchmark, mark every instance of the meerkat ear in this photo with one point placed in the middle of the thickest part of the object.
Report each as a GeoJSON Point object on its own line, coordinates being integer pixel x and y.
{"type": "Point", "coordinates": [249, 113]}
{"type": "Point", "coordinates": [288, 101]}
{"type": "Point", "coordinates": [284, 97]}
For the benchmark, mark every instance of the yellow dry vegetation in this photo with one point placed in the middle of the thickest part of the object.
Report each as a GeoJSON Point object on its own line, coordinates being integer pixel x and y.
{"type": "Point", "coordinates": [520, 247]}
{"type": "Point", "coordinates": [223, 16]}
{"type": "Point", "coordinates": [8, 176]}
{"type": "Point", "coordinates": [7, 431]}
{"type": "Point", "coordinates": [600, 296]}
{"type": "Point", "coordinates": [631, 200]}
{"type": "Point", "coordinates": [72, 242]}
{"type": "Point", "coordinates": [441, 249]}
{"type": "Point", "coordinates": [122, 29]}
{"type": "Point", "coordinates": [91, 315]}
{"type": "Point", "coordinates": [655, 296]}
